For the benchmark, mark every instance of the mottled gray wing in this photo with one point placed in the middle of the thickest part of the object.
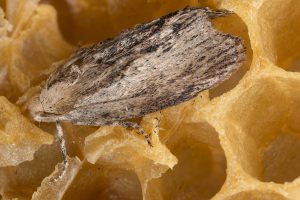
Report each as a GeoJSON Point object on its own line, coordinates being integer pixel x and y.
{"type": "Point", "coordinates": [145, 69]}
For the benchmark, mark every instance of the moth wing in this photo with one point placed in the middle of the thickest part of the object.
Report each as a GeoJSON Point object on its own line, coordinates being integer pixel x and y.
{"type": "Point", "coordinates": [169, 61]}
{"type": "Point", "coordinates": [188, 58]}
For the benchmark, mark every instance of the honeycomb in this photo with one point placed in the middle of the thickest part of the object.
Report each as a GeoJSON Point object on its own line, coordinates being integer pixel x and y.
{"type": "Point", "coordinates": [238, 141]}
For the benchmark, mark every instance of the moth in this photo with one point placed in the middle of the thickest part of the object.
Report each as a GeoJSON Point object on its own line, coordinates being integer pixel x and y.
{"type": "Point", "coordinates": [145, 69]}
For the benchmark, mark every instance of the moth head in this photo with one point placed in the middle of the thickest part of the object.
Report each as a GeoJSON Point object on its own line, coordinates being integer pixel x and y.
{"type": "Point", "coordinates": [36, 108]}
{"type": "Point", "coordinates": [51, 102]}
{"type": "Point", "coordinates": [38, 112]}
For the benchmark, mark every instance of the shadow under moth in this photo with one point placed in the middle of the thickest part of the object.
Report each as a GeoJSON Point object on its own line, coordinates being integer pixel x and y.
{"type": "Point", "coordinates": [144, 69]}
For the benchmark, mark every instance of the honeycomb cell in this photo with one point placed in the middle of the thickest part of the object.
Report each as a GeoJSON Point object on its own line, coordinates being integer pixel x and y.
{"type": "Point", "coordinates": [22, 180]}
{"type": "Point", "coordinates": [280, 30]}
{"type": "Point", "coordinates": [201, 168]}
{"type": "Point", "coordinates": [262, 129]}
{"type": "Point", "coordinates": [104, 182]}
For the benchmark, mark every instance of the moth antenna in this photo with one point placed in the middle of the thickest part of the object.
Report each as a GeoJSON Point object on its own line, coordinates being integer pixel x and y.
{"type": "Point", "coordinates": [63, 148]}
{"type": "Point", "coordinates": [156, 125]}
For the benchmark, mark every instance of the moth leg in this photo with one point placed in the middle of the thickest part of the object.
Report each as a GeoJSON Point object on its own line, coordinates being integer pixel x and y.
{"type": "Point", "coordinates": [156, 125]}
{"type": "Point", "coordinates": [135, 126]}
{"type": "Point", "coordinates": [63, 149]}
